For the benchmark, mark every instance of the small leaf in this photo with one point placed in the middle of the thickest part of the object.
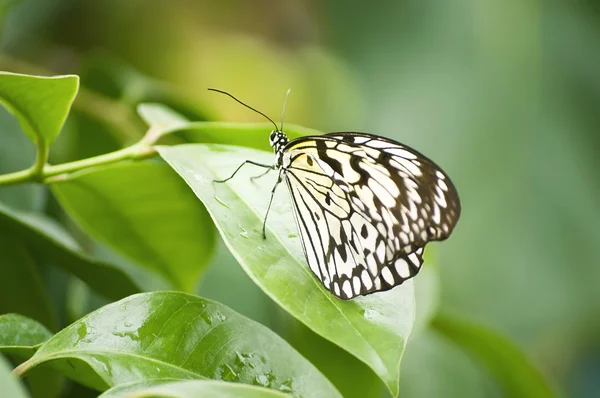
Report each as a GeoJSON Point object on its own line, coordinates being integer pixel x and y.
{"type": "Point", "coordinates": [19, 335]}
{"type": "Point", "coordinates": [41, 104]}
{"type": "Point", "coordinates": [161, 117]}
{"type": "Point", "coordinates": [193, 389]}
{"type": "Point", "coordinates": [144, 211]}
{"type": "Point", "coordinates": [179, 336]}
{"type": "Point", "coordinates": [43, 236]}
{"type": "Point", "coordinates": [10, 385]}
{"type": "Point", "coordinates": [251, 135]}
{"type": "Point", "coordinates": [513, 370]}
{"type": "Point", "coordinates": [373, 328]}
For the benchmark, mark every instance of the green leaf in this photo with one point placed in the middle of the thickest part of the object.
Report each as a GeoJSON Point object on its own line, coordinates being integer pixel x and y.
{"type": "Point", "coordinates": [21, 287]}
{"type": "Point", "coordinates": [144, 211]}
{"type": "Point", "coordinates": [41, 104]}
{"type": "Point", "coordinates": [251, 135]}
{"type": "Point", "coordinates": [41, 235]}
{"type": "Point", "coordinates": [161, 117]}
{"type": "Point", "coordinates": [373, 328]}
{"type": "Point", "coordinates": [511, 367]}
{"type": "Point", "coordinates": [19, 335]}
{"type": "Point", "coordinates": [9, 384]}
{"type": "Point", "coordinates": [194, 389]}
{"type": "Point", "coordinates": [179, 336]}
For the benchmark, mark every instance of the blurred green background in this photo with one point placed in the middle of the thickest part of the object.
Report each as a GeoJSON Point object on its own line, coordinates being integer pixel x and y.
{"type": "Point", "coordinates": [504, 95]}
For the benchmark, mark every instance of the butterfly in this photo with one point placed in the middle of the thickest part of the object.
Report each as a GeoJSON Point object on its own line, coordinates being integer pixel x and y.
{"type": "Point", "coordinates": [365, 206]}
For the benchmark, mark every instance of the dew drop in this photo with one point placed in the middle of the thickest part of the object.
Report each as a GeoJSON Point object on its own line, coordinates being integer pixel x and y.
{"type": "Point", "coordinates": [220, 316]}
{"type": "Point", "coordinates": [370, 314]}
{"type": "Point", "coordinates": [286, 386]}
{"type": "Point", "coordinates": [262, 380]}
{"type": "Point", "coordinates": [206, 316]}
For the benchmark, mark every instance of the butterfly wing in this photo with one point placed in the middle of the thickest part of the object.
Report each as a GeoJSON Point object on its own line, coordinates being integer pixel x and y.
{"type": "Point", "coordinates": [365, 208]}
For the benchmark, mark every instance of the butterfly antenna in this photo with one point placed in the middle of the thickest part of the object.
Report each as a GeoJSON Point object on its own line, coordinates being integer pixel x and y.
{"type": "Point", "coordinates": [284, 105]}
{"type": "Point", "coordinates": [246, 105]}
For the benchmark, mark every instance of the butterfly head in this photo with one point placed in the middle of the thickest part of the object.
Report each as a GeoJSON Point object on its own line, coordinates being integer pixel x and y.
{"type": "Point", "coordinates": [278, 139]}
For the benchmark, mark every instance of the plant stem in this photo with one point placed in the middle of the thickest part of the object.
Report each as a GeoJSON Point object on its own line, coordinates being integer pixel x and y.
{"type": "Point", "coordinates": [41, 159]}
{"type": "Point", "coordinates": [134, 152]}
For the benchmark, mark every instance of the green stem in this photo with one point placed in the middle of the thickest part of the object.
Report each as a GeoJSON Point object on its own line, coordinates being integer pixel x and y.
{"type": "Point", "coordinates": [50, 173]}
{"type": "Point", "coordinates": [41, 158]}
{"type": "Point", "coordinates": [16, 178]}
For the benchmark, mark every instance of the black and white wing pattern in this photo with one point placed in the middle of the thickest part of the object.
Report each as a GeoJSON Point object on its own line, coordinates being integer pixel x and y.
{"type": "Point", "coordinates": [365, 207]}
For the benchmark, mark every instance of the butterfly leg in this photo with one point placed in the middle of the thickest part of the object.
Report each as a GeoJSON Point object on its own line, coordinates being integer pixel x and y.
{"type": "Point", "coordinates": [240, 166]}
{"type": "Point", "coordinates": [262, 175]}
{"type": "Point", "coordinates": [269, 207]}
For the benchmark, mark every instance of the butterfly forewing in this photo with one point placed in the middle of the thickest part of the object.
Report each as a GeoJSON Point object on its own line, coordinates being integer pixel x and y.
{"type": "Point", "coordinates": [365, 208]}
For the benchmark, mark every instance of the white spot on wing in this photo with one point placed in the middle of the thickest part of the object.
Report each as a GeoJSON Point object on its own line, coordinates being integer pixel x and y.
{"type": "Point", "coordinates": [336, 288]}
{"type": "Point", "coordinates": [414, 259]}
{"type": "Point", "coordinates": [347, 288]}
{"type": "Point", "coordinates": [387, 275]}
{"type": "Point", "coordinates": [402, 268]}
{"type": "Point", "coordinates": [381, 251]}
{"type": "Point", "coordinates": [356, 284]}
{"type": "Point", "coordinates": [401, 152]}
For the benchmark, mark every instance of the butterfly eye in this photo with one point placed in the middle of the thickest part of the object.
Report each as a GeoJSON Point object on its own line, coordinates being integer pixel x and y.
{"type": "Point", "coordinates": [272, 137]}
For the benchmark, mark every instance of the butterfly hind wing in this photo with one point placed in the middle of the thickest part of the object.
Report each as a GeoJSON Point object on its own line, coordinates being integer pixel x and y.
{"type": "Point", "coordinates": [354, 196]}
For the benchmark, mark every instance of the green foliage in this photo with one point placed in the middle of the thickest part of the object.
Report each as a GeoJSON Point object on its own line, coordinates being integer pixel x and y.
{"type": "Point", "coordinates": [119, 220]}
{"type": "Point", "coordinates": [174, 335]}
{"type": "Point", "coordinates": [19, 335]}
{"type": "Point", "coordinates": [49, 241]}
{"type": "Point", "coordinates": [159, 225]}
{"type": "Point", "coordinates": [41, 104]}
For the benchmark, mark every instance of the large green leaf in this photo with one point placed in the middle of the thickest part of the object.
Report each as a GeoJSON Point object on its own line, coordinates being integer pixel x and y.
{"type": "Point", "coordinates": [511, 367]}
{"type": "Point", "coordinates": [179, 336]}
{"type": "Point", "coordinates": [41, 235]}
{"type": "Point", "coordinates": [374, 328]}
{"type": "Point", "coordinates": [144, 211]}
{"type": "Point", "coordinates": [19, 335]}
{"type": "Point", "coordinates": [41, 104]}
{"type": "Point", "coordinates": [193, 389]}
{"type": "Point", "coordinates": [9, 384]}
